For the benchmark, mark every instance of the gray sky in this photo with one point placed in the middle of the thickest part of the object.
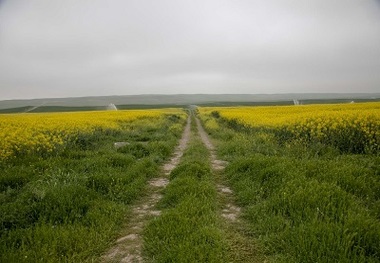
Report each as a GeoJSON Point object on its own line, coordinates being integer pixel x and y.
{"type": "Point", "coordinates": [51, 48]}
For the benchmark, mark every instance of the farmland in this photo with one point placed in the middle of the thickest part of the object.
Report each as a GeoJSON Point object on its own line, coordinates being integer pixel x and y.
{"type": "Point", "coordinates": [351, 128]}
{"type": "Point", "coordinates": [65, 189]}
{"type": "Point", "coordinates": [40, 133]}
{"type": "Point", "coordinates": [307, 178]}
{"type": "Point", "coordinates": [273, 184]}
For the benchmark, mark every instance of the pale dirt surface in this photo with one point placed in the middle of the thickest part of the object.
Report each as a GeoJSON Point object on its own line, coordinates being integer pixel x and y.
{"type": "Point", "coordinates": [216, 164]}
{"type": "Point", "coordinates": [231, 212]}
{"type": "Point", "coordinates": [183, 142]}
{"type": "Point", "coordinates": [224, 189]}
{"type": "Point", "coordinates": [128, 246]}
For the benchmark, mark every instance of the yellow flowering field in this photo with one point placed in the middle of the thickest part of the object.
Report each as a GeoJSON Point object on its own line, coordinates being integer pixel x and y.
{"type": "Point", "coordinates": [351, 127]}
{"type": "Point", "coordinates": [45, 132]}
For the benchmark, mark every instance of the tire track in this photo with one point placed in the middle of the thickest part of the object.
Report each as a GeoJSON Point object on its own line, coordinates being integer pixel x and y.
{"type": "Point", "coordinates": [128, 247]}
{"type": "Point", "coordinates": [230, 211]}
{"type": "Point", "coordinates": [240, 247]}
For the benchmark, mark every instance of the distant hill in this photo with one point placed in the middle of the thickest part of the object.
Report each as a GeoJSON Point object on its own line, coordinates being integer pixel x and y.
{"type": "Point", "coordinates": [150, 101]}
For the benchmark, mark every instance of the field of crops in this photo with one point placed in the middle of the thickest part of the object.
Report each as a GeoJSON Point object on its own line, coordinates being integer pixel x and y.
{"type": "Point", "coordinates": [46, 132]}
{"type": "Point", "coordinates": [304, 182]}
{"type": "Point", "coordinates": [307, 177]}
{"type": "Point", "coordinates": [350, 127]}
{"type": "Point", "coordinates": [65, 188]}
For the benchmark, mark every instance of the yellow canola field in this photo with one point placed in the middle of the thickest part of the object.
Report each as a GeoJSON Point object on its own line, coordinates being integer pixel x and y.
{"type": "Point", "coordinates": [44, 132]}
{"type": "Point", "coordinates": [333, 123]}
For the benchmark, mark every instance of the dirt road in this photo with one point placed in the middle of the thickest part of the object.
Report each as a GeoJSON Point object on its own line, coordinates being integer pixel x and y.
{"type": "Point", "coordinates": [128, 246]}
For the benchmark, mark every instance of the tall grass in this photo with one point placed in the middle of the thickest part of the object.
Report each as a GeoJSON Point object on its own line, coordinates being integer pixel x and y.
{"type": "Point", "coordinates": [69, 206]}
{"type": "Point", "coordinates": [305, 202]}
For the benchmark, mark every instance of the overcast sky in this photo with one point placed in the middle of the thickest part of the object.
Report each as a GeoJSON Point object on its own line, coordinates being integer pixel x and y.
{"type": "Point", "coordinates": [52, 48]}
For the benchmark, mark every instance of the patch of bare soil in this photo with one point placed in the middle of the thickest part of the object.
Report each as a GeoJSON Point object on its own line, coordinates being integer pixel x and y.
{"type": "Point", "coordinates": [178, 152]}
{"type": "Point", "coordinates": [215, 163]}
{"type": "Point", "coordinates": [128, 246]}
{"type": "Point", "coordinates": [230, 211]}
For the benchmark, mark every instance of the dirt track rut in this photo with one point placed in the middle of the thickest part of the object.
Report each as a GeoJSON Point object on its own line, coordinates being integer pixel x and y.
{"type": "Point", "coordinates": [128, 246]}
{"type": "Point", "coordinates": [229, 211]}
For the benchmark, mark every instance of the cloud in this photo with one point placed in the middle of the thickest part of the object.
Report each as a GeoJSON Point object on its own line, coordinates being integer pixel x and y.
{"type": "Point", "coordinates": [78, 48]}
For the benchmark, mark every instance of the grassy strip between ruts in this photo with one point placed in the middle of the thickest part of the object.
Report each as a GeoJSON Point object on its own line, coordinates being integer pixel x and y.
{"type": "Point", "coordinates": [304, 204]}
{"type": "Point", "coordinates": [188, 229]}
{"type": "Point", "coordinates": [69, 207]}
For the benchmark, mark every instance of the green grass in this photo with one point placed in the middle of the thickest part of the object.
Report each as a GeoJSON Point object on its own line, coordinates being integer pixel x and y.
{"type": "Point", "coordinates": [304, 203]}
{"type": "Point", "coordinates": [189, 228]}
{"type": "Point", "coordinates": [68, 206]}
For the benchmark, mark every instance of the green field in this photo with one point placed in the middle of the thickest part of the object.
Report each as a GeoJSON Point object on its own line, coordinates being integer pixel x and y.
{"type": "Point", "coordinates": [304, 203]}
{"type": "Point", "coordinates": [70, 206]}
